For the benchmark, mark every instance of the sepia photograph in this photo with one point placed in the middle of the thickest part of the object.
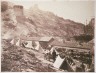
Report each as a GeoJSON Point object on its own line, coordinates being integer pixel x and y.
{"type": "Point", "coordinates": [47, 36]}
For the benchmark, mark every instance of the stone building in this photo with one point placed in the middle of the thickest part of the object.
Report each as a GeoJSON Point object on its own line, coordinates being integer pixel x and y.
{"type": "Point", "coordinates": [18, 10]}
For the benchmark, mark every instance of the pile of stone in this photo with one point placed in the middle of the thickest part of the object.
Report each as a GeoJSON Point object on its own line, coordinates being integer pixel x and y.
{"type": "Point", "coordinates": [17, 59]}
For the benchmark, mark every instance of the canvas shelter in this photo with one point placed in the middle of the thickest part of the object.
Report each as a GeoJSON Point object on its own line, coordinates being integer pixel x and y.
{"type": "Point", "coordinates": [30, 41]}
{"type": "Point", "coordinates": [52, 49]}
{"type": "Point", "coordinates": [29, 44]}
{"type": "Point", "coordinates": [41, 50]}
{"type": "Point", "coordinates": [58, 62]}
{"type": "Point", "coordinates": [38, 47]}
{"type": "Point", "coordinates": [33, 42]}
{"type": "Point", "coordinates": [12, 41]}
{"type": "Point", "coordinates": [62, 64]}
{"type": "Point", "coordinates": [18, 42]}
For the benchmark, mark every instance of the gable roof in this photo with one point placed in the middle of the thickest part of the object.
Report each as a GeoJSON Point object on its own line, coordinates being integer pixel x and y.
{"type": "Point", "coordinates": [56, 43]}
{"type": "Point", "coordinates": [36, 38]}
{"type": "Point", "coordinates": [45, 39]}
{"type": "Point", "coordinates": [30, 38]}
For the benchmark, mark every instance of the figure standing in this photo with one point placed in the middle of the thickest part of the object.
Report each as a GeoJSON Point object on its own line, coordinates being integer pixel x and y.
{"type": "Point", "coordinates": [54, 55]}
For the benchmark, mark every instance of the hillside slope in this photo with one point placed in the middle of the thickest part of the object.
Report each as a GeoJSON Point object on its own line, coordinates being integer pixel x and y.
{"type": "Point", "coordinates": [36, 22]}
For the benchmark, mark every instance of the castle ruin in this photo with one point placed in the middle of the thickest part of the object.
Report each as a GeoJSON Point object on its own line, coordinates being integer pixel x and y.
{"type": "Point", "coordinates": [18, 10]}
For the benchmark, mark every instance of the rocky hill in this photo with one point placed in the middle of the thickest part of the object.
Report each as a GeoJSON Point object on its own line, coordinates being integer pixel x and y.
{"type": "Point", "coordinates": [35, 22]}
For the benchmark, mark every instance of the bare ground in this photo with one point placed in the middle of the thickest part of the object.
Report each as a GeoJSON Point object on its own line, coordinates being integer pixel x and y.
{"type": "Point", "coordinates": [18, 59]}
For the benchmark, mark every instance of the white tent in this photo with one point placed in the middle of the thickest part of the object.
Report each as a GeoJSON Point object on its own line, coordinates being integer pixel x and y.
{"type": "Point", "coordinates": [40, 49]}
{"type": "Point", "coordinates": [18, 43]}
{"type": "Point", "coordinates": [37, 45]}
{"type": "Point", "coordinates": [13, 41]}
{"type": "Point", "coordinates": [53, 48]}
{"type": "Point", "coordinates": [58, 62]}
{"type": "Point", "coordinates": [29, 44]}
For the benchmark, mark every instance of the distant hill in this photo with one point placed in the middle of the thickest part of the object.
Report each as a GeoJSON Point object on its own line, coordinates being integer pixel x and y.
{"type": "Point", "coordinates": [35, 22]}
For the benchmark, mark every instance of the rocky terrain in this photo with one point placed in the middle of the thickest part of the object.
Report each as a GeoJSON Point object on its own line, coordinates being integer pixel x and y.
{"type": "Point", "coordinates": [36, 22]}
{"type": "Point", "coordinates": [18, 59]}
{"type": "Point", "coordinates": [33, 22]}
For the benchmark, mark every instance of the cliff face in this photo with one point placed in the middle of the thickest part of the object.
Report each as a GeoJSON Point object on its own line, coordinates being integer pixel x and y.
{"type": "Point", "coordinates": [36, 22]}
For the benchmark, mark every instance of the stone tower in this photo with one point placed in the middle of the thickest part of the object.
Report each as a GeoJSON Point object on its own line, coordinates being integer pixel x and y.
{"type": "Point", "coordinates": [18, 10]}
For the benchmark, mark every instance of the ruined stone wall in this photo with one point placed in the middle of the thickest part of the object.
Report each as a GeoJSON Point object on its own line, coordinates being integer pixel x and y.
{"type": "Point", "coordinates": [18, 10]}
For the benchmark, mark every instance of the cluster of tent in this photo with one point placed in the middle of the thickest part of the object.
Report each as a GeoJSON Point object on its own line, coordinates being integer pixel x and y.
{"type": "Point", "coordinates": [34, 45]}
{"type": "Point", "coordinates": [14, 42]}
{"type": "Point", "coordinates": [59, 61]}
{"type": "Point", "coordinates": [62, 64]}
{"type": "Point", "coordinates": [29, 44]}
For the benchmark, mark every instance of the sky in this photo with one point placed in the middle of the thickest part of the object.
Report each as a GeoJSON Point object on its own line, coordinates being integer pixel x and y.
{"type": "Point", "coordinates": [78, 11]}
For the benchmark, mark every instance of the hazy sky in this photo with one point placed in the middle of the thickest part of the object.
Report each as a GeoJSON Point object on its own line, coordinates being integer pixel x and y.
{"type": "Point", "coordinates": [78, 11]}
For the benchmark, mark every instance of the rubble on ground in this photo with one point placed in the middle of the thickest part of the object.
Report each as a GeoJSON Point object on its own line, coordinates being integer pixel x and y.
{"type": "Point", "coordinates": [17, 59]}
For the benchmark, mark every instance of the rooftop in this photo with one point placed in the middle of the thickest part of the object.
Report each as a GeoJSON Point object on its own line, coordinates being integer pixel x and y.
{"type": "Point", "coordinates": [36, 38]}
{"type": "Point", "coordinates": [45, 38]}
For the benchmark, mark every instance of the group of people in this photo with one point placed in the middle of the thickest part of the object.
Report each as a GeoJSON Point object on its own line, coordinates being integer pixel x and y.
{"type": "Point", "coordinates": [50, 55]}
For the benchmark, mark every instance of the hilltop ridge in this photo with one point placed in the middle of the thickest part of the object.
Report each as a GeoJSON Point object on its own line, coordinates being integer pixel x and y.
{"type": "Point", "coordinates": [36, 22]}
